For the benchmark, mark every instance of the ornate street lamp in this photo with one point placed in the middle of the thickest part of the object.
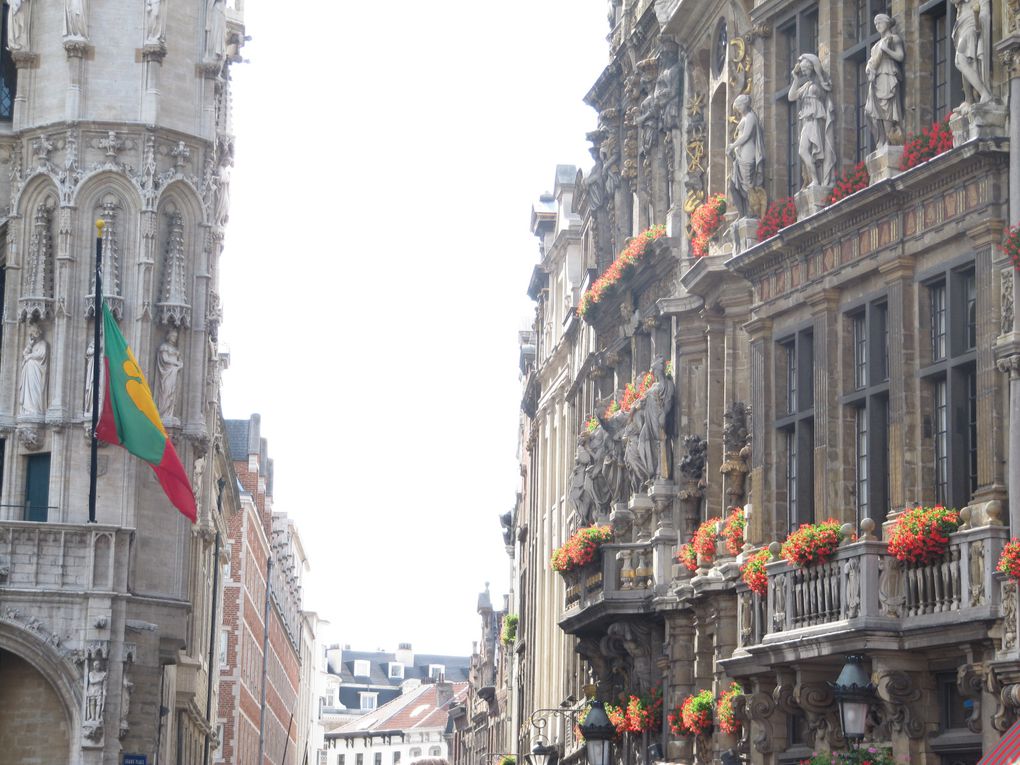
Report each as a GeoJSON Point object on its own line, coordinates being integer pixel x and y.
{"type": "Point", "coordinates": [854, 693]}
{"type": "Point", "coordinates": [543, 754]}
{"type": "Point", "coordinates": [598, 734]}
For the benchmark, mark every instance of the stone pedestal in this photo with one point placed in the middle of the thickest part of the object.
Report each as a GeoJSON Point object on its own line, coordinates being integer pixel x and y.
{"type": "Point", "coordinates": [884, 163]}
{"type": "Point", "coordinates": [978, 121]}
{"type": "Point", "coordinates": [744, 234]}
{"type": "Point", "coordinates": [810, 200]}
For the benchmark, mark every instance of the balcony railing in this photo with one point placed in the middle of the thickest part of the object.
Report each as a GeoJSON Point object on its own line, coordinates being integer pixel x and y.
{"type": "Point", "coordinates": [863, 587]}
{"type": "Point", "coordinates": [64, 557]}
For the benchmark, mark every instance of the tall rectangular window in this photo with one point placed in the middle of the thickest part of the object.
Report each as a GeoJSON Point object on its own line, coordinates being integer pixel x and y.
{"type": "Point", "coordinates": [937, 18]}
{"type": "Point", "coordinates": [8, 73]}
{"type": "Point", "coordinates": [796, 35]}
{"type": "Point", "coordinates": [861, 36]}
{"type": "Point", "coordinates": [952, 421]}
{"type": "Point", "coordinates": [867, 399]}
{"type": "Point", "coordinates": [37, 487]}
{"type": "Point", "coordinates": [797, 426]}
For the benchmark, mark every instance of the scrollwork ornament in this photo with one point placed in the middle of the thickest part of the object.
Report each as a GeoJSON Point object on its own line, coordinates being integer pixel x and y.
{"type": "Point", "coordinates": [898, 694]}
{"type": "Point", "coordinates": [970, 682]}
{"type": "Point", "coordinates": [760, 708]}
{"type": "Point", "coordinates": [1009, 625]}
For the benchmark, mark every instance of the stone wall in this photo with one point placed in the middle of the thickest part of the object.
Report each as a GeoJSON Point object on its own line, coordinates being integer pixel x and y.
{"type": "Point", "coordinates": [33, 723]}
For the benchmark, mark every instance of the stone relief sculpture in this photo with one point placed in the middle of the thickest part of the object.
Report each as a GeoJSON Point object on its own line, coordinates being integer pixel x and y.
{"type": "Point", "coordinates": [168, 367]}
{"type": "Point", "coordinates": [811, 89]}
{"type": "Point", "coordinates": [155, 22]}
{"type": "Point", "coordinates": [19, 16]}
{"type": "Point", "coordinates": [692, 466]}
{"type": "Point", "coordinates": [748, 152]}
{"type": "Point", "coordinates": [90, 360]}
{"type": "Point", "coordinates": [76, 19]}
{"type": "Point", "coordinates": [580, 491]}
{"type": "Point", "coordinates": [223, 186]}
{"type": "Point", "coordinates": [614, 466]}
{"type": "Point", "coordinates": [639, 465]}
{"type": "Point", "coordinates": [972, 19]}
{"type": "Point", "coordinates": [95, 698]}
{"type": "Point", "coordinates": [885, 75]}
{"type": "Point", "coordinates": [653, 442]}
{"type": "Point", "coordinates": [34, 363]}
{"type": "Point", "coordinates": [216, 30]}
{"type": "Point", "coordinates": [127, 687]}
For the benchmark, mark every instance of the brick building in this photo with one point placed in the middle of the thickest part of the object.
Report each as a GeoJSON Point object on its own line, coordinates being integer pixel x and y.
{"type": "Point", "coordinates": [115, 110]}
{"type": "Point", "coordinates": [259, 535]}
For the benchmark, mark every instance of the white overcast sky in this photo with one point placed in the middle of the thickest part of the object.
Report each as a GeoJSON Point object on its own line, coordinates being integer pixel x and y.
{"type": "Point", "coordinates": [374, 278]}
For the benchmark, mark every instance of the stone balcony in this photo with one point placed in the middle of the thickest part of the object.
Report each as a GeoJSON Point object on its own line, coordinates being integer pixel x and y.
{"type": "Point", "coordinates": [62, 557]}
{"type": "Point", "coordinates": [864, 596]}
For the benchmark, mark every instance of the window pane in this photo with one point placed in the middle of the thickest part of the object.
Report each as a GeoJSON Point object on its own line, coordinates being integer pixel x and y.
{"type": "Point", "coordinates": [37, 488]}
{"type": "Point", "coordinates": [791, 378]}
{"type": "Point", "coordinates": [969, 287]}
{"type": "Point", "coordinates": [862, 132]}
{"type": "Point", "coordinates": [791, 477]}
{"type": "Point", "coordinates": [940, 68]}
{"type": "Point", "coordinates": [862, 462]}
{"type": "Point", "coordinates": [972, 435]}
{"type": "Point", "coordinates": [860, 352]}
{"type": "Point", "coordinates": [941, 444]}
{"type": "Point", "coordinates": [937, 294]}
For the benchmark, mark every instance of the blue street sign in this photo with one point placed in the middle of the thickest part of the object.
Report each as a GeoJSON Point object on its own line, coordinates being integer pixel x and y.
{"type": "Point", "coordinates": [134, 759]}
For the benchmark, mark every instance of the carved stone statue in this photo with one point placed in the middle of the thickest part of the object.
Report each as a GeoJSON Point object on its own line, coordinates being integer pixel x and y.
{"type": "Point", "coordinates": [811, 88]}
{"type": "Point", "coordinates": [216, 30]}
{"type": "Point", "coordinates": [34, 364]}
{"type": "Point", "coordinates": [748, 152]}
{"type": "Point", "coordinates": [614, 465]}
{"type": "Point", "coordinates": [885, 75]}
{"type": "Point", "coordinates": [155, 22]}
{"type": "Point", "coordinates": [972, 19]}
{"type": "Point", "coordinates": [95, 698]}
{"type": "Point", "coordinates": [658, 403]}
{"type": "Point", "coordinates": [580, 487]}
{"type": "Point", "coordinates": [19, 16]}
{"type": "Point", "coordinates": [76, 19]}
{"type": "Point", "coordinates": [90, 360]}
{"type": "Point", "coordinates": [638, 461]}
{"type": "Point", "coordinates": [692, 466]}
{"type": "Point", "coordinates": [667, 87]}
{"type": "Point", "coordinates": [223, 186]}
{"type": "Point", "coordinates": [168, 367]}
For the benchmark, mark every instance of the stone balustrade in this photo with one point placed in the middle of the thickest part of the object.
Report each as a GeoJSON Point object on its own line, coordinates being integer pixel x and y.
{"type": "Point", "coordinates": [864, 588]}
{"type": "Point", "coordinates": [64, 557]}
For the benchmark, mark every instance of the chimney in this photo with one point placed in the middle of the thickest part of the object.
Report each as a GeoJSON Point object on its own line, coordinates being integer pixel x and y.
{"type": "Point", "coordinates": [444, 691]}
{"type": "Point", "coordinates": [404, 655]}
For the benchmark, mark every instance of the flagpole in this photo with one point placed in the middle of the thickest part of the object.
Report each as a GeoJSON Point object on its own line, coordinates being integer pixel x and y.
{"type": "Point", "coordinates": [97, 359]}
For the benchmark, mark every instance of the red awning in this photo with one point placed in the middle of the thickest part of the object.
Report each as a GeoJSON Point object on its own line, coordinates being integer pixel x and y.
{"type": "Point", "coordinates": [1007, 751]}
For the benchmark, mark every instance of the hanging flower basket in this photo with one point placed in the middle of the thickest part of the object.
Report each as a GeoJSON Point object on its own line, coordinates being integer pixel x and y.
{"type": "Point", "coordinates": [733, 531]}
{"type": "Point", "coordinates": [637, 714]}
{"type": "Point", "coordinates": [619, 268]}
{"type": "Point", "coordinates": [781, 213]}
{"type": "Point", "coordinates": [724, 712]}
{"type": "Point", "coordinates": [1009, 561]}
{"type": "Point", "coordinates": [752, 573]}
{"type": "Point", "coordinates": [849, 183]}
{"type": "Point", "coordinates": [865, 755]}
{"type": "Point", "coordinates": [687, 556]}
{"type": "Point", "coordinates": [581, 548]}
{"type": "Point", "coordinates": [921, 534]}
{"type": "Point", "coordinates": [1011, 245]}
{"type": "Point", "coordinates": [694, 716]}
{"type": "Point", "coordinates": [705, 537]}
{"type": "Point", "coordinates": [705, 222]}
{"type": "Point", "coordinates": [812, 543]}
{"type": "Point", "coordinates": [934, 140]}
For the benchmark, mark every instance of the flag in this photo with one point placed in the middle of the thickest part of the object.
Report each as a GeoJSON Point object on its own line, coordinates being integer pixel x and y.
{"type": "Point", "coordinates": [129, 418]}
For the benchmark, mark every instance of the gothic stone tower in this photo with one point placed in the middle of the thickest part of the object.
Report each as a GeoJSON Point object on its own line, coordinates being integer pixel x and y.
{"type": "Point", "coordinates": [112, 109]}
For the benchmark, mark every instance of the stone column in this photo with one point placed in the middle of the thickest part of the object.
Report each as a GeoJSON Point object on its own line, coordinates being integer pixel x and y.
{"type": "Point", "coordinates": [760, 528]}
{"type": "Point", "coordinates": [827, 386]}
{"type": "Point", "coordinates": [77, 51]}
{"type": "Point", "coordinates": [26, 64]}
{"type": "Point", "coordinates": [153, 56]}
{"type": "Point", "coordinates": [716, 402]}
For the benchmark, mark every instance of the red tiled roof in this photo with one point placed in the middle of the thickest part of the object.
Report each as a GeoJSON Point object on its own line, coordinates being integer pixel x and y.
{"type": "Point", "coordinates": [415, 709]}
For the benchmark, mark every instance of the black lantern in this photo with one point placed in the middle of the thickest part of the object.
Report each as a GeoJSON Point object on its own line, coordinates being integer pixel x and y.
{"type": "Point", "coordinates": [854, 693]}
{"type": "Point", "coordinates": [542, 754]}
{"type": "Point", "coordinates": [598, 734]}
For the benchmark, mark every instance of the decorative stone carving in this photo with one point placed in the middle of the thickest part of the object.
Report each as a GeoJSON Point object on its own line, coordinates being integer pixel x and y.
{"type": "Point", "coordinates": [970, 682]}
{"type": "Point", "coordinates": [19, 19]}
{"type": "Point", "coordinates": [760, 708]}
{"type": "Point", "coordinates": [654, 442]}
{"type": "Point", "coordinates": [884, 105]}
{"type": "Point", "coordinates": [90, 360]}
{"type": "Point", "coordinates": [1009, 625]}
{"type": "Point", "coordinates": [891, 590]}
{"type": "Point", "coordinates": [614, 466]}
{"type": "Point", "coordinates": [125, 701]}
{"type": "Point", "coordinates": [736, 438]}
{"type": "Point", "coordinates": [639, 469]}
{"type": "Point", "coordinates": [818, 704]}
{"type": "Point", "coordinates": [692, 466]}
{"type": "Point", "coordinates": [631, 641]}
{"type": "Point", "coordinates": [174, 309]}
{"type": "Point", "coordinates": [853, 588]}
{"type": "Point", "coordinates": [34, 366]}
{"type": "Point", "coordinates": [215, 31]}
{"type": "Point", "coordinates": [155, 22]}
{"type": "Point", "coordinates": [581, 490]}
{"type": "Point", "coordinates": [972, 19]}
{"type": "Point", "coordinates": [977, 573]}
{"type": "Point", "coordinates": [168, 367]}
{"type": "Point", "coordinates": [1006, 299]}
{"type": "Point", "coordinates": [748, 152]}
{"type": "Point", "coordinates": [779, 603]}
{"type": "Point", "coordinates": [898, 695]}
{"type": "Point", "coordinates": [96, 675]}
{"type": "Point", "coordinates": [108, 210]}
{"type": "Point", "coordinates": [694, 148]}
{"type": "Point", "coordinates": [36, 301]}
{"type": "Point", "coordinates": [76, 20]}
{"type": "Point", "coordinates": [811, 89]}
{"type": "Point", "coordinates": [30, 437]}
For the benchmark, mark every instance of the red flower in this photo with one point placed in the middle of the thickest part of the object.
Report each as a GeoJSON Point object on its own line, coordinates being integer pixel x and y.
{"type": "Point", "coordinates": [849, 183]}
{"type": "Point", "coordinates": [780, 214]}
{"type": "Point", "coordinates": [733, 531]}
{"type": "Point", "coordinates": [934, 140]}
{"type": "Point", "coordinates": [921, 534]}
{"type": "Point", "coordinates": [619, 268]}
{"type": "Point", "coordinates": [752, 573]}
{"type": "Point", "coordinates": [705, 221]}
{"type": "Point", "coordinates": [812, 543]}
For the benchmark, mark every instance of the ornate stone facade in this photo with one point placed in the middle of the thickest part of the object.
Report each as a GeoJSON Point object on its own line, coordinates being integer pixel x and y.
{"type": "Point", "coordinates": [862, 361]}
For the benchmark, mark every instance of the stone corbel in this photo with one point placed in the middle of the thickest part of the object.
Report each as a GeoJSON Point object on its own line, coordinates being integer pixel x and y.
{"type": "Point", "coordinates": [970, 681]}
{"type": "Point", "coordinates": [898, 695]}
{"type": "Point", "coordinates": [1003, 682]}
{"type": "Point", "coordinates": [819, 706]}
{"type": "Point", "coordinates": [760, 707]}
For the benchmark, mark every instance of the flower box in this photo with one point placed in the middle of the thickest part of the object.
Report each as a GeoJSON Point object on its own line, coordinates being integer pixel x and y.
{"type": "Point", "coordinates": [921, 534]}
{"type": "Point", "coordinates": [812, 543]}
{"type": "Point", "coordinates": [581, 548]}
{"type": "Point", "coordinates": [619, 269]}
{"type": "Point", "coordinates": [752, 573]}
{"type": "Point", "coordinates": [694, 715]}
{"type": "Point", "coordinates": [724, 712]}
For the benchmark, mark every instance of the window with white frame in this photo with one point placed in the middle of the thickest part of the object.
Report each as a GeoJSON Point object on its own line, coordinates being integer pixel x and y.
{"type": "Point", "coordinates": [396, 670]}
{"type": "Point", "coordinates": [224, 646]}
{"type": "Point", "coordinates": [362, 668]}
{"type": "Point", "coordinates": [368, 700]}
{"type": "Point", "coordinates": [437, 671]}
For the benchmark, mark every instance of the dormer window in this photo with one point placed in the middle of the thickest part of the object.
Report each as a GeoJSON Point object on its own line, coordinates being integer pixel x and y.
{"type": "Point", "coordinates": [396, 670]}
{"type": "Point", "coordinates": [362, 668]}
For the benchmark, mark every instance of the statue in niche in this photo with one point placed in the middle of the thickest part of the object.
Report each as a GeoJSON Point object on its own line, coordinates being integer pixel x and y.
{"type": "Point", "coordinates": [692, 466]}
{"type": "Point", "coordinates": [90, 370]}
{"type": "Point", "coordinates": [168, 366]}
{"type": "Point", "coordinates": [614, 464]}
{"type": "Point", "coordinates": [639, 465]}
{"type": "Point", "coordinates": [155, 22]}
{"type": "Point", "coordinates": [76, 19]}
{"type": "Point", "coordinates": [972, 19]}
{"type": "Point", "coordinates": [885, 75]}
{"type": "Point", "coordinates": [748, 152]}
{"type": "Point", "coordinates": [580, 490]}
{"type": "Point", "coordinates": [632, 640]}
{"type": "Point", "coordinates": [18, 18]}
{"type": "Point", "coordinates": [657, 404]}
{"type": "Point", "coordinates": [95, 696]}
{"type": "Point", "coordinates": [223, 185]}
{"type": "Point", "coordinates": [811, 89]}
{"type": "Point", "coordinates": [216, 30]}
{"type": "Point", "coordinates": [34, 364]}
{"type": "Point", "coordinates": [667, 86]}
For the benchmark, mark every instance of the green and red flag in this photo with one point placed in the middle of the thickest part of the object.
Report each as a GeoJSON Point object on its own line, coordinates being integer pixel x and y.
{"type": "Point", "coordinates": [129, 418]}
